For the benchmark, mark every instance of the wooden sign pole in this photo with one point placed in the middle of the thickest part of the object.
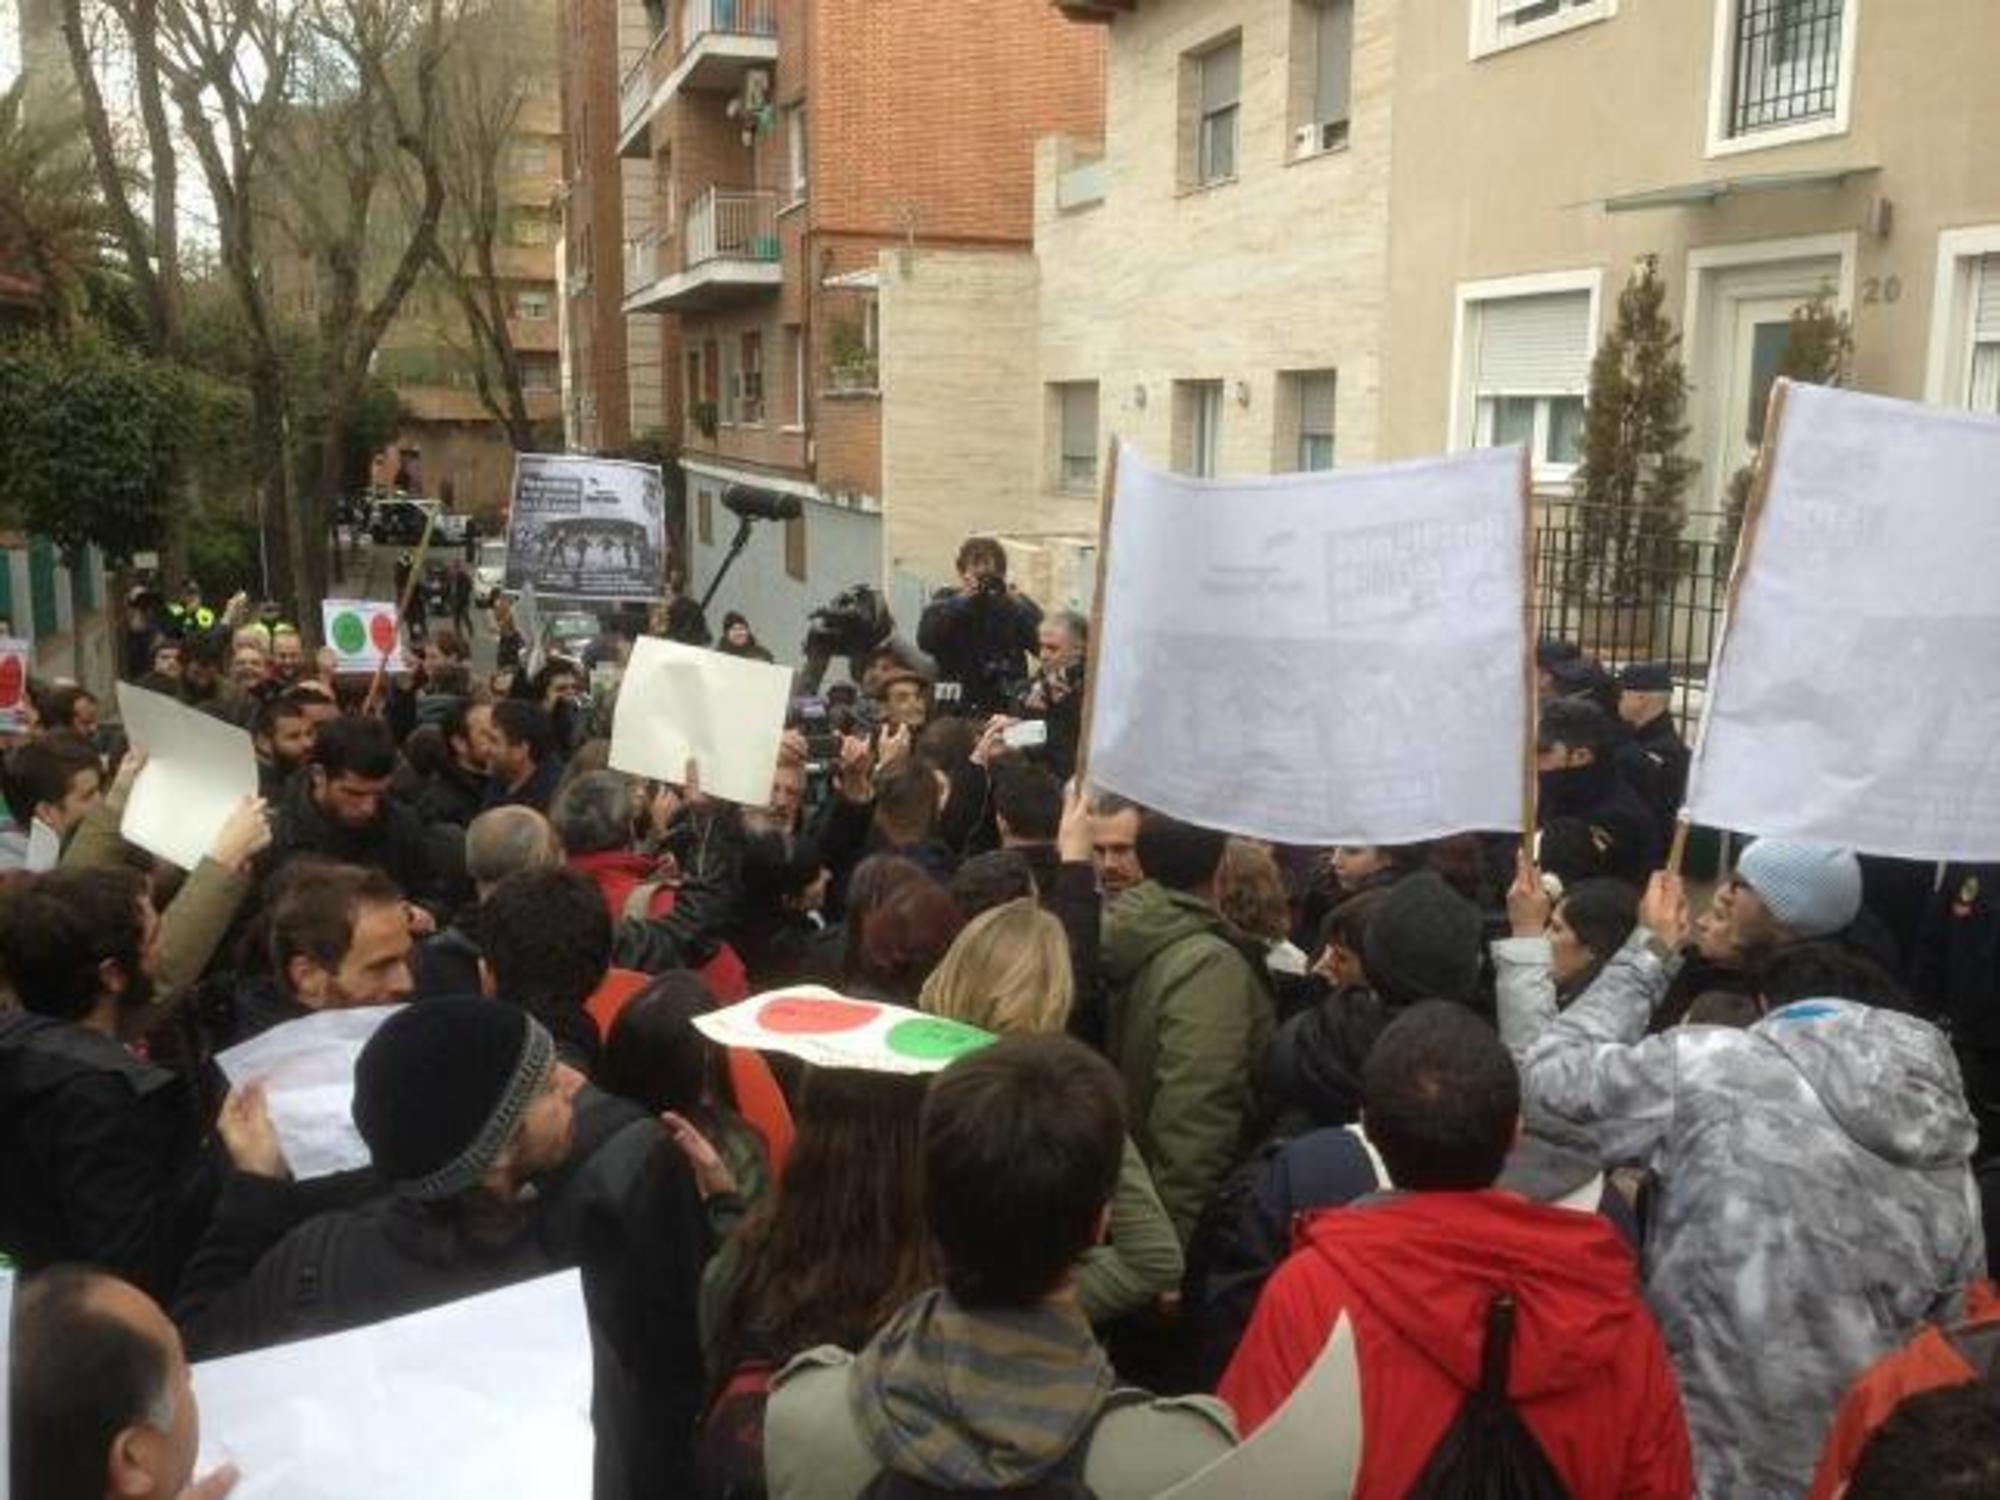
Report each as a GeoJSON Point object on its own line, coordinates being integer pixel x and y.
{"type": "Point", "coordinates": [410, 587]}
{"type": "Point", "coordinates": [1106, 506]}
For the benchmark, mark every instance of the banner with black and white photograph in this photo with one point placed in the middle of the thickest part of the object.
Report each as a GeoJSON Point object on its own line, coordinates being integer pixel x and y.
{"type": "Point", "coordinates": [587, 528]}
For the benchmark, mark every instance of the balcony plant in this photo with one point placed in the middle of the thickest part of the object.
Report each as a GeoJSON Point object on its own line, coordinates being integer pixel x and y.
{"type": "Point", "coordinates": [851, 363]}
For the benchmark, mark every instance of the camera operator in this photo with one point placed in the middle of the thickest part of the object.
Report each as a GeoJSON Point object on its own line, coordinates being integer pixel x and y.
{"type": "Point", "coordinates": [1055, 693]}
{"type": "Point", "coordinates": [980, 635]}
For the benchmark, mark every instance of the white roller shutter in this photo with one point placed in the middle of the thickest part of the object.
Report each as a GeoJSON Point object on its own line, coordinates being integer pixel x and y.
{"type": "Point", "coordinates": [1537, 345]}
{"type": "Point", "coordinates": [1986, 301]}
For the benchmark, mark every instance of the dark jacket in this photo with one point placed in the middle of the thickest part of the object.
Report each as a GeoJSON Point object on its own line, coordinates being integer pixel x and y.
{"type": "Point", "coordinates": [98, 1157]}
{"type": "Point", "coordinates": [394, 843]}
{"type": "Point", "coordinates": [1311, 1073]}
{"type": "Point", "coordinates": [1068, 892]}
{"type": "Point", "coordinates": [453, 795]}
{"type": "Point", "coordinates": [982, 642]}
{"type": "Point", "coordinates": [1661, 743]}
{"type": "Point", "coordinates": [446, 963]}
{"type": "Point", "coordinates": [625, 1209]}
{"type": "Point", "coordinates": [254, 1006]}
{"type": "Point", "coordinates": [1599, 796]}
{"type": "Point", "coordinates": [538, 791]}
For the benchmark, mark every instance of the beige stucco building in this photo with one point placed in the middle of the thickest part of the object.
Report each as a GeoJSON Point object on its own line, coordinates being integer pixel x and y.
{"type": "Point", "coordinates": [1451, 257]}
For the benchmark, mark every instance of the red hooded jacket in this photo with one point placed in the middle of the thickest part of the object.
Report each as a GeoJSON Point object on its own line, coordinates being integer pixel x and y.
{"type": "Point", "coordinates": [1415, 1274]}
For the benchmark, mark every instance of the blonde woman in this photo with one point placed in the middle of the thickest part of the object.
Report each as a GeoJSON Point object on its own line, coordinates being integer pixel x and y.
{"type": "Point", "coordinates": [1009, 972]}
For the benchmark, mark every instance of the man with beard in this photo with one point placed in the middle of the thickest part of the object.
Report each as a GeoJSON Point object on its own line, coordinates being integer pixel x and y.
{"type": "Point", "coordinates": [97, 1151]}
{"type": "Point", "coordinates": [341, 810]}
{"type": "Point", "coordinates": [283, 734]}
{"type": "Point", "coordinates": [339, 940]}
{"type": "Point", "coordinates": [456, 790]}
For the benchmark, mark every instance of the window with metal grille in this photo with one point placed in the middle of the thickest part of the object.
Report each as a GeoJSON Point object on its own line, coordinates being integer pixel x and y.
{"type": "Point", "coordinates": [1221, 78]}
{"type": "Point", "coordinates": [1786, 64]}
{"type": "Point", "coordinates": [1076, 401]}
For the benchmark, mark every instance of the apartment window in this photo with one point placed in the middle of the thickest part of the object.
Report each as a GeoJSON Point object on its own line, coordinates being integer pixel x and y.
{"type": "Point", "coordinates": [1508, 23]}
{"type": "Point", "coordinates": [1198, 420]}
{"type": "Point", "coordinates": [795, 548]}
{"type": "Point", "coordinates": [711, 372]}
{"type": "Point", "coordinates": [539, 373]}
{"type": "Point", "coordinates": [1530, 368]}
{"type": "Point", "coordinates": [1306, 405]}
{"type": "Point", "coordinates": [693, 389]}
{"type": "Point", "coordinates": [1218, 80]}
{"type": "Point", "coordinates": [1322, 62]}
{"type": "Point", "coordinates": [795, 343]}
{"type": "Point", "coordinates": [526, 159]}
{"type": "Point", "coordinates": [532, 307]}
{"type": "Point", "coordinates": [732, 384]}
{"type": "Point", "coordinates": [704, 517]}
{"type": "Point", "coordinates": [795, 144]}
{"type": "Point", "coordinates": [1076, 446]}
{"type": "Point", "coordinates": [753, 376]}
{"type": "Point", "coordinates": [1786, 64]}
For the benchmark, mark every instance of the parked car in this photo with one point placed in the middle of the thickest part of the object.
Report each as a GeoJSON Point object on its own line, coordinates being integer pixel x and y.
{"type": "Point", "coordinates": [570, 633]}
{"type": "Point", "coordinates": [490, 576]}
{"type": "Point", "coordinates": [400, 523]}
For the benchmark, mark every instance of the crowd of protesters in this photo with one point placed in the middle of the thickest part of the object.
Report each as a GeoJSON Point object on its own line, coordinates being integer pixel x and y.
{"type": "Point", "coordinates": [1622, 1197]}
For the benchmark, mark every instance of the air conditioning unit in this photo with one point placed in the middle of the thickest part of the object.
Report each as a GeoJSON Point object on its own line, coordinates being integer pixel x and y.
{"type": "Point", "coordinates": [1320, 135]}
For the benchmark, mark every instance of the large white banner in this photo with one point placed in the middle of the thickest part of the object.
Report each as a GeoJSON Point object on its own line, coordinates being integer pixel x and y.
{"type": "Point", "coordinates": [1318, 658]}
{"type": "Point", "coordinates": [587, 528]}
{"type": "Point", "coordinates": [475, 1399]}
{"type": "Point", "coordinates": [1854, 696]}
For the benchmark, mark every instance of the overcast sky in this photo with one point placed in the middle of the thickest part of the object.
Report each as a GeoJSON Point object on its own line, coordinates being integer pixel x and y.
{"type": "Point", "coordinates": [10, 40]}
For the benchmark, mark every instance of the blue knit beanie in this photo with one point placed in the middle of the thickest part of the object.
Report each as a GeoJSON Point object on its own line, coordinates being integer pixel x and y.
{"type": "Point", "coordinates": [1811, 892]}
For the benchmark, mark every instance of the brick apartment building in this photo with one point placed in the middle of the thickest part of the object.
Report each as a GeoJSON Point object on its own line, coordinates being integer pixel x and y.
{"type": "Point", "coordinates": [776, 160]}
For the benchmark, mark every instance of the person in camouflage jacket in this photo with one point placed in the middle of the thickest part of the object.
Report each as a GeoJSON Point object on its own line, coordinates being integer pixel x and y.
{"type": "Point", "coordinates": [1815, 1202]}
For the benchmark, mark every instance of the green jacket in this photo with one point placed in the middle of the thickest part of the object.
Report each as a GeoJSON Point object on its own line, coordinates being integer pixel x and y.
{"type": "Point", "coordinates": [1191, 1010]}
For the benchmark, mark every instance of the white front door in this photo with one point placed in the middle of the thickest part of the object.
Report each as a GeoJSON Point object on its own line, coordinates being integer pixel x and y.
{"type": "Point", "coordinates": [1741, 342]}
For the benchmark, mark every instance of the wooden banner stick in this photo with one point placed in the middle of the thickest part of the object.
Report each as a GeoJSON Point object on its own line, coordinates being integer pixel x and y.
{"type": "Point", "coordinates": [1531, 677]}
{"type": "Point", "coordinates": [1678, 850]}
{"type": "Point", "coordinates": [410, 587]}
{"type": "Point", "coordinates": [1106, 505]}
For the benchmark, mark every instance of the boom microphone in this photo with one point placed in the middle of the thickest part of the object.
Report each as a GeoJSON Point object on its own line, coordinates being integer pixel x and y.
{"type": "Point", "coordinates": [761, 505]}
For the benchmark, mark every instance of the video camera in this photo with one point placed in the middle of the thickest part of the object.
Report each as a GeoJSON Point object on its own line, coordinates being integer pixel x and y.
{"type": "Point", "coordinates": [854, 623]}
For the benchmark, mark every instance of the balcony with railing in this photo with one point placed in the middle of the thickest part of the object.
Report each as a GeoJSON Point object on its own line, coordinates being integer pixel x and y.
{"type": "Point", "coordinates": [708, 47]}
{"type": "Point", "coordinates": [726, 252]}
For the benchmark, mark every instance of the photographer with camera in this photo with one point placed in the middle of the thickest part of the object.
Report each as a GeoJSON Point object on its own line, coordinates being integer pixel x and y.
{"type": "Point", "coordinates": [981, 635]}
{"type": "Point", "coordinates": [1055, 693]}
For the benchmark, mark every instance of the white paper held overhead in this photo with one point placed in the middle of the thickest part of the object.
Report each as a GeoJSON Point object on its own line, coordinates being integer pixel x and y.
{"type": "Point", "coordinates": [1851, 702]}
{"type": "Point", "coordinates": [306, 1068]}
{"type": "Point", "coordinates": [485, 1397]}
{"type": "Point", "coordinates": [197, 770]}
{"type": "Point", "coordinates": [1318, 658]}
{"type": "Point", "coordinates": [679, 703]}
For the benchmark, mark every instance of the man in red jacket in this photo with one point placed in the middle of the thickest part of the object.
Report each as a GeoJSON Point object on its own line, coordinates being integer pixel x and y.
{"type": "Point", "coordinates": [1417, 1271]}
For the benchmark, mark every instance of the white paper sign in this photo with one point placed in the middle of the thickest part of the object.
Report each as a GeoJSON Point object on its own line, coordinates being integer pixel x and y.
{"type": "Point", "coordinates": [680, 702]}
{"type": "Point", "coordinates": [479, 1398]}
{"type": "Point", "coordinates": [830, 1030]}
{"type": "Point", "coordinates": [1853, 696]}
{"type": "Point", "coordinates": [197, 770]}
{"type": "Point", "coordinates": [361, 632]}
{"type": "Point", "coordinates": [6, 1363]}
{"type": "Point", "coordinates": [44, 847]}
{"type": "Point", "coordinates": [1318, 658]}
{"type": "Point", "coordinates": [307, 1070]}
{"type": "Point", "coordinates": [1317, 1431]}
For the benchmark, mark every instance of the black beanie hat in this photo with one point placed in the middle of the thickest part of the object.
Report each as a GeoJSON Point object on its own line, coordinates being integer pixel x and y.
{"type": "Point", "coordinates": [1423, 943]}
{"type": "Point", "coordinates": [441, 1088]}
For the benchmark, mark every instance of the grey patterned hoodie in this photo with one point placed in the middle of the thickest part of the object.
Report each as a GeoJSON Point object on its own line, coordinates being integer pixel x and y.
{"type": "Point", "coordinates": [1815, 1202]}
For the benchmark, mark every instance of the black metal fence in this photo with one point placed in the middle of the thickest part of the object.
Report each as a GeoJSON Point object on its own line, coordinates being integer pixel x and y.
{"type": "Point", "coordinates": [1666, 607]}
{"type": "Point", "coordinates": [1787, 63]}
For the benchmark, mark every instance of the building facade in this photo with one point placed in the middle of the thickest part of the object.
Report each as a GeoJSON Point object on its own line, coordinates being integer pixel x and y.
{"type": "Point", "coordinates": [783, 158]}
{"type": "Point", "coordinates": [450, 443]}
{"type": "Point", "coordinates": [1324, 230]}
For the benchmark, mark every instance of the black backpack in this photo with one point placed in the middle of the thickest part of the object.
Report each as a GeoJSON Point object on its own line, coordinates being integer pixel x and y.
{"type": "Point", "coordinates": [1063, 1482]}
{"type": "Point", "coordinates": [1488, 1453]}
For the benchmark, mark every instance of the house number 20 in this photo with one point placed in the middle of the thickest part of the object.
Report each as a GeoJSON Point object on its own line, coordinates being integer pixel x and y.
{"type": "Point", "coordinates": [1882, 289]}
